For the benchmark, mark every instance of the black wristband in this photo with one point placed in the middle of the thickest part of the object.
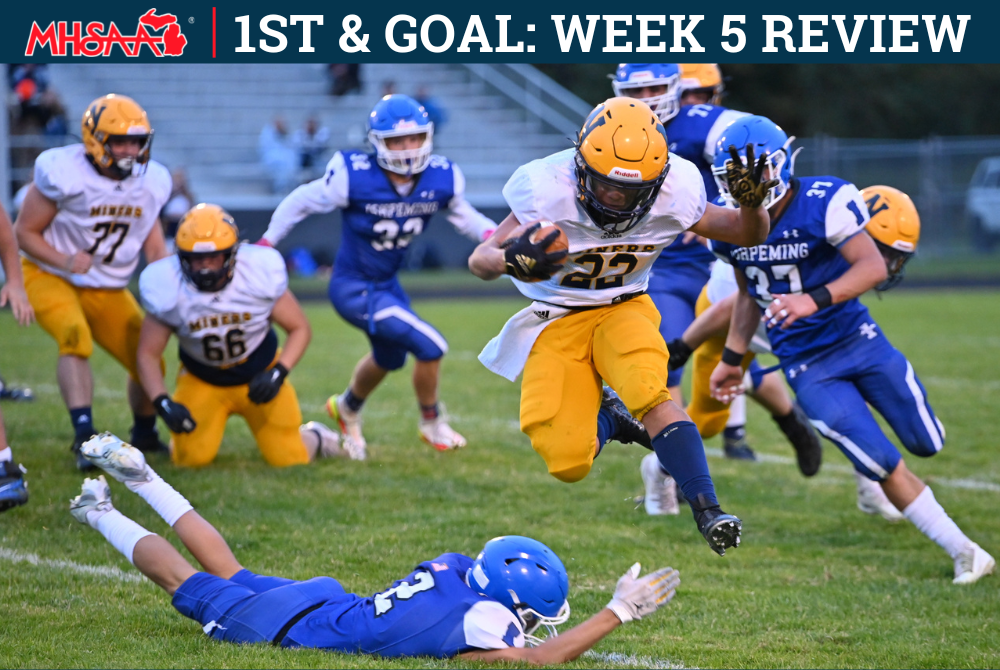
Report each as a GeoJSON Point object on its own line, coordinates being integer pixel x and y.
{"type": "Point", "coordinates": [281, 368]}
{"type": "Point", "coordinates": [730, 357]}
{"type": "Point", "coordinates": [159, 399]}
{"type": "Point", "coordinates": [821, 296]}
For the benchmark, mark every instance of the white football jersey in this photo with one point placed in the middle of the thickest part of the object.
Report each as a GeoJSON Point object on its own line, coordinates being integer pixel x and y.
{"type": "Point", "coordinates": [107, 217]}
{"type": "Point", "coordinates": [223, 328]}
{"type": "Point", "coordinates": [601, 265]}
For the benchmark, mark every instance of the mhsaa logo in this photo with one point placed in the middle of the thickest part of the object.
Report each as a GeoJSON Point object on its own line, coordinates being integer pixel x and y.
{"type": "Point", "coordinates": [96, 40]}
{"type": "Point", "coordinates": [625, 174]}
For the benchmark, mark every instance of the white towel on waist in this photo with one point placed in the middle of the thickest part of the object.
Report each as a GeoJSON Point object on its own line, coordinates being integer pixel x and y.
{"type": "Point", "coordinates": [507, 353]}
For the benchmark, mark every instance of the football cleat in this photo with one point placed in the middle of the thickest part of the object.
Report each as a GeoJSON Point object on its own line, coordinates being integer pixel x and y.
{"type": "Point", "coordinates": [350, 426]}
{"type": "Point", "coordinates": [149, 444]}
{"type": "Point", "coordinates": [437, 433]}
{"type": "Point", "coordinates": [972, 564]}
{"type": "Point", "coordinates": [15, 394]}
{"type": "Point", "coordinates": [13, 488]}
{"type": "Point", "coordinates": [804, 439]}
{"type": "Point", "coordinates": [82, 464]}
{"type": "Point", "coordinates": [327, 440]}
{"type": "Point", "coordinates": [119, 459]}
{"type": "Point", "coordinates": [719, 529]}
{"type": "Point", "coordinates": [95, 496]}
{"type": "Point", "coordinates": [661, 489]}
{"type": "Point", "coordinates": [629, 429]}
{"type": "Point", "coordinates": [738, 449]}
{"type": "Point", "coordinates": [872, 500]}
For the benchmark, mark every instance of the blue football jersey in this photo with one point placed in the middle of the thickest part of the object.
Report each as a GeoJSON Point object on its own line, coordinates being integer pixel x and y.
{"type": "Point", "coordinates": [692, 134]}
{"type": "Point", "coordinates": [430, 612]}
{"type": "Point", "coordinates": [801, 254]}
{"type": "Point", "coordinates": [378, 222]}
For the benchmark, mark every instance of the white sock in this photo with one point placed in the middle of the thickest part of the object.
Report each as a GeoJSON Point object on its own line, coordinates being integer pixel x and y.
{"type": "Point", "coordinates": [119, 530]}
{"type": "Point", "coordinates": [162, 497]}
{"type": "Point", "coordinates": [737, 412]}
{"type": "Point", "coordinates": [930, 519]}
{"type": "Point", "coordinates": [6, 455]}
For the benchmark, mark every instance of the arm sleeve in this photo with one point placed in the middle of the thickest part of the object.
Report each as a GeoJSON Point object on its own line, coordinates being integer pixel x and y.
{"type": "Point", "coordinates": [321, 196]}
{"type": "Point", "coordinates": [490, 625]}
{"type": "Point", "coordinates": [54, 183]}
{"type": "Point", "coordinates": [846, 215]}
{"type": "Point", "coordinates": [158, 293]}
{"type": "Point", "coordinates": [466, 218]}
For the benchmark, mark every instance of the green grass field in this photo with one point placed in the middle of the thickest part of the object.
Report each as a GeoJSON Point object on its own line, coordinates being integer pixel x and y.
{"type": "Point", "coordinates": [815, 583]}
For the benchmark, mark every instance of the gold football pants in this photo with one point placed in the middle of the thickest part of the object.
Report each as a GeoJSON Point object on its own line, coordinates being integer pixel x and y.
{"type": "Point", "coordinates": [561, 387]}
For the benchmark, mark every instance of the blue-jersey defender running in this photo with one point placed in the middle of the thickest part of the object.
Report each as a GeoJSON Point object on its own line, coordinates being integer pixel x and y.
{"type": "Point", "coordinates": [806, 279]}
{"type": "Point", "coordinates": [386, 198]}
{"type": "Point", "coordinates": [486, 609]}
{"type": "Point", "coordinates": [687, 99]}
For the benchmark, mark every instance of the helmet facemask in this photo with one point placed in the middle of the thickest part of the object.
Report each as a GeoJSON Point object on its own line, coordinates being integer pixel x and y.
{"type": "Point", "coordinates": [531, 621]}
{"type": "Point", "coordinates": [407, 162]}
{"type": "Point", "coordinates": [204, 279]}
{"type": "Point", "coordinates": [128, 166]}
{"type": "Point", "coordinates": [666, 105]}
{"type": "Point", "coordinates": [895, 265]}
{"type": "Point", "coordinates": [637, 197]}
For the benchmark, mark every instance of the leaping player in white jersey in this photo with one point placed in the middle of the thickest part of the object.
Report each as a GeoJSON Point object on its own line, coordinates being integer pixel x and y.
{"type": "Point", "coordinates": [220, 297]}
{"type": "Point", "coordinates": [90, 211]}
{"type": "Point", "coordinates": [620, 199]}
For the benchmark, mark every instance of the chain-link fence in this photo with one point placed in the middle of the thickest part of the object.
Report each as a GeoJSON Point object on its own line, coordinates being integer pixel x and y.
{"type": "Point", "coordinates": [935, 172]}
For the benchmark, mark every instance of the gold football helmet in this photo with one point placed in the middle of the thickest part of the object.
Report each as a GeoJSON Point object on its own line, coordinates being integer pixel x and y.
{"type": "Point", "coordinates": [705, 77]}
{"type": "Point", "coordinates": [895, 226]}
{"type": "Point", "coordinates": [621, 162]}
{"type": "Point", "coordinates": [110, 116]}
{"type": "Point", "coordinates": [207, 230]}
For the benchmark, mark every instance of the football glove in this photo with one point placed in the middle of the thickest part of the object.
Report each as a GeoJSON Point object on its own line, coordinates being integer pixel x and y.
{"type": "Point", "coordinates": [635, 598]}
{"type": "Point", "coordinates": [175, 415]}
{"type": "Point", "coordinates": [744, 181]}
{"type": "Point", "coordinates": [679, 352]}
{"type": "Point", "coordinates": [525, 259]}
{"type": "Point", "coordinates": [266, 384]}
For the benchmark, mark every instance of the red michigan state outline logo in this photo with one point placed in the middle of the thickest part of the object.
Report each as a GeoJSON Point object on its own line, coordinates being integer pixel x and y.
{"type": "Point", "coordinates": [159, 32]}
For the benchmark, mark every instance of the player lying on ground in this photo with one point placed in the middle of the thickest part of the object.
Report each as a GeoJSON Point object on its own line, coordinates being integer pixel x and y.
{"type": "Point", "coordinates": [805, 280]}
{"type": "Point", "coordinates": [386, 197]}
{"type": "Point", "coordinates": [220, 298]}
{"type": "Point", "coordinates": [482, 609]}
{"type": "Point", "coordinates": [92, 208]}
{"type": "Point", "coordinates": [620, 198]}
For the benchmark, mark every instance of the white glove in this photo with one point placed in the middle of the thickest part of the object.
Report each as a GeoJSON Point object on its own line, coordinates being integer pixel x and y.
{"type": "Point", "coordinates": [635, 598]}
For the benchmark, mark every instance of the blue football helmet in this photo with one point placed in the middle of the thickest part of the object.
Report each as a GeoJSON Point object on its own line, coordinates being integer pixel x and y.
{"type": "Point", "coordinates": [630, 76]}
{"type": "Point", "coordinates": [766, 137]}
{"type": "Point", "coordinates": [395, 116]}
{"type": "Point", "coordinates": [527, 578]}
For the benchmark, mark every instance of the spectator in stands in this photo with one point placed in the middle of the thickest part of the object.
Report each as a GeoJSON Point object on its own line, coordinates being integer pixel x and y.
{"type": "Point", "coordinates": [388, 88]}
{"type": "Point", "coordinates": [181, 200]}
{"type": "Point", "coordinates": [311, 141]}
{"type": "Point", "coordinates": [278, 156]}
{"type": "Point", "coordinates": [435, 110]}
{"type": "Point", "coordinates": [344, 78]}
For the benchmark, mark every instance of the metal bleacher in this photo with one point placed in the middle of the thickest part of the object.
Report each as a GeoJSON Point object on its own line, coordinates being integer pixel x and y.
{"type": "Point", "coordinates": [208, 117]}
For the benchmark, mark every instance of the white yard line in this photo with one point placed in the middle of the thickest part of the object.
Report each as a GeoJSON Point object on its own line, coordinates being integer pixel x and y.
{"type": "Point", "coordinates": [614, 658]}
{"type": "Point", "coordinates": [108, 571]}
